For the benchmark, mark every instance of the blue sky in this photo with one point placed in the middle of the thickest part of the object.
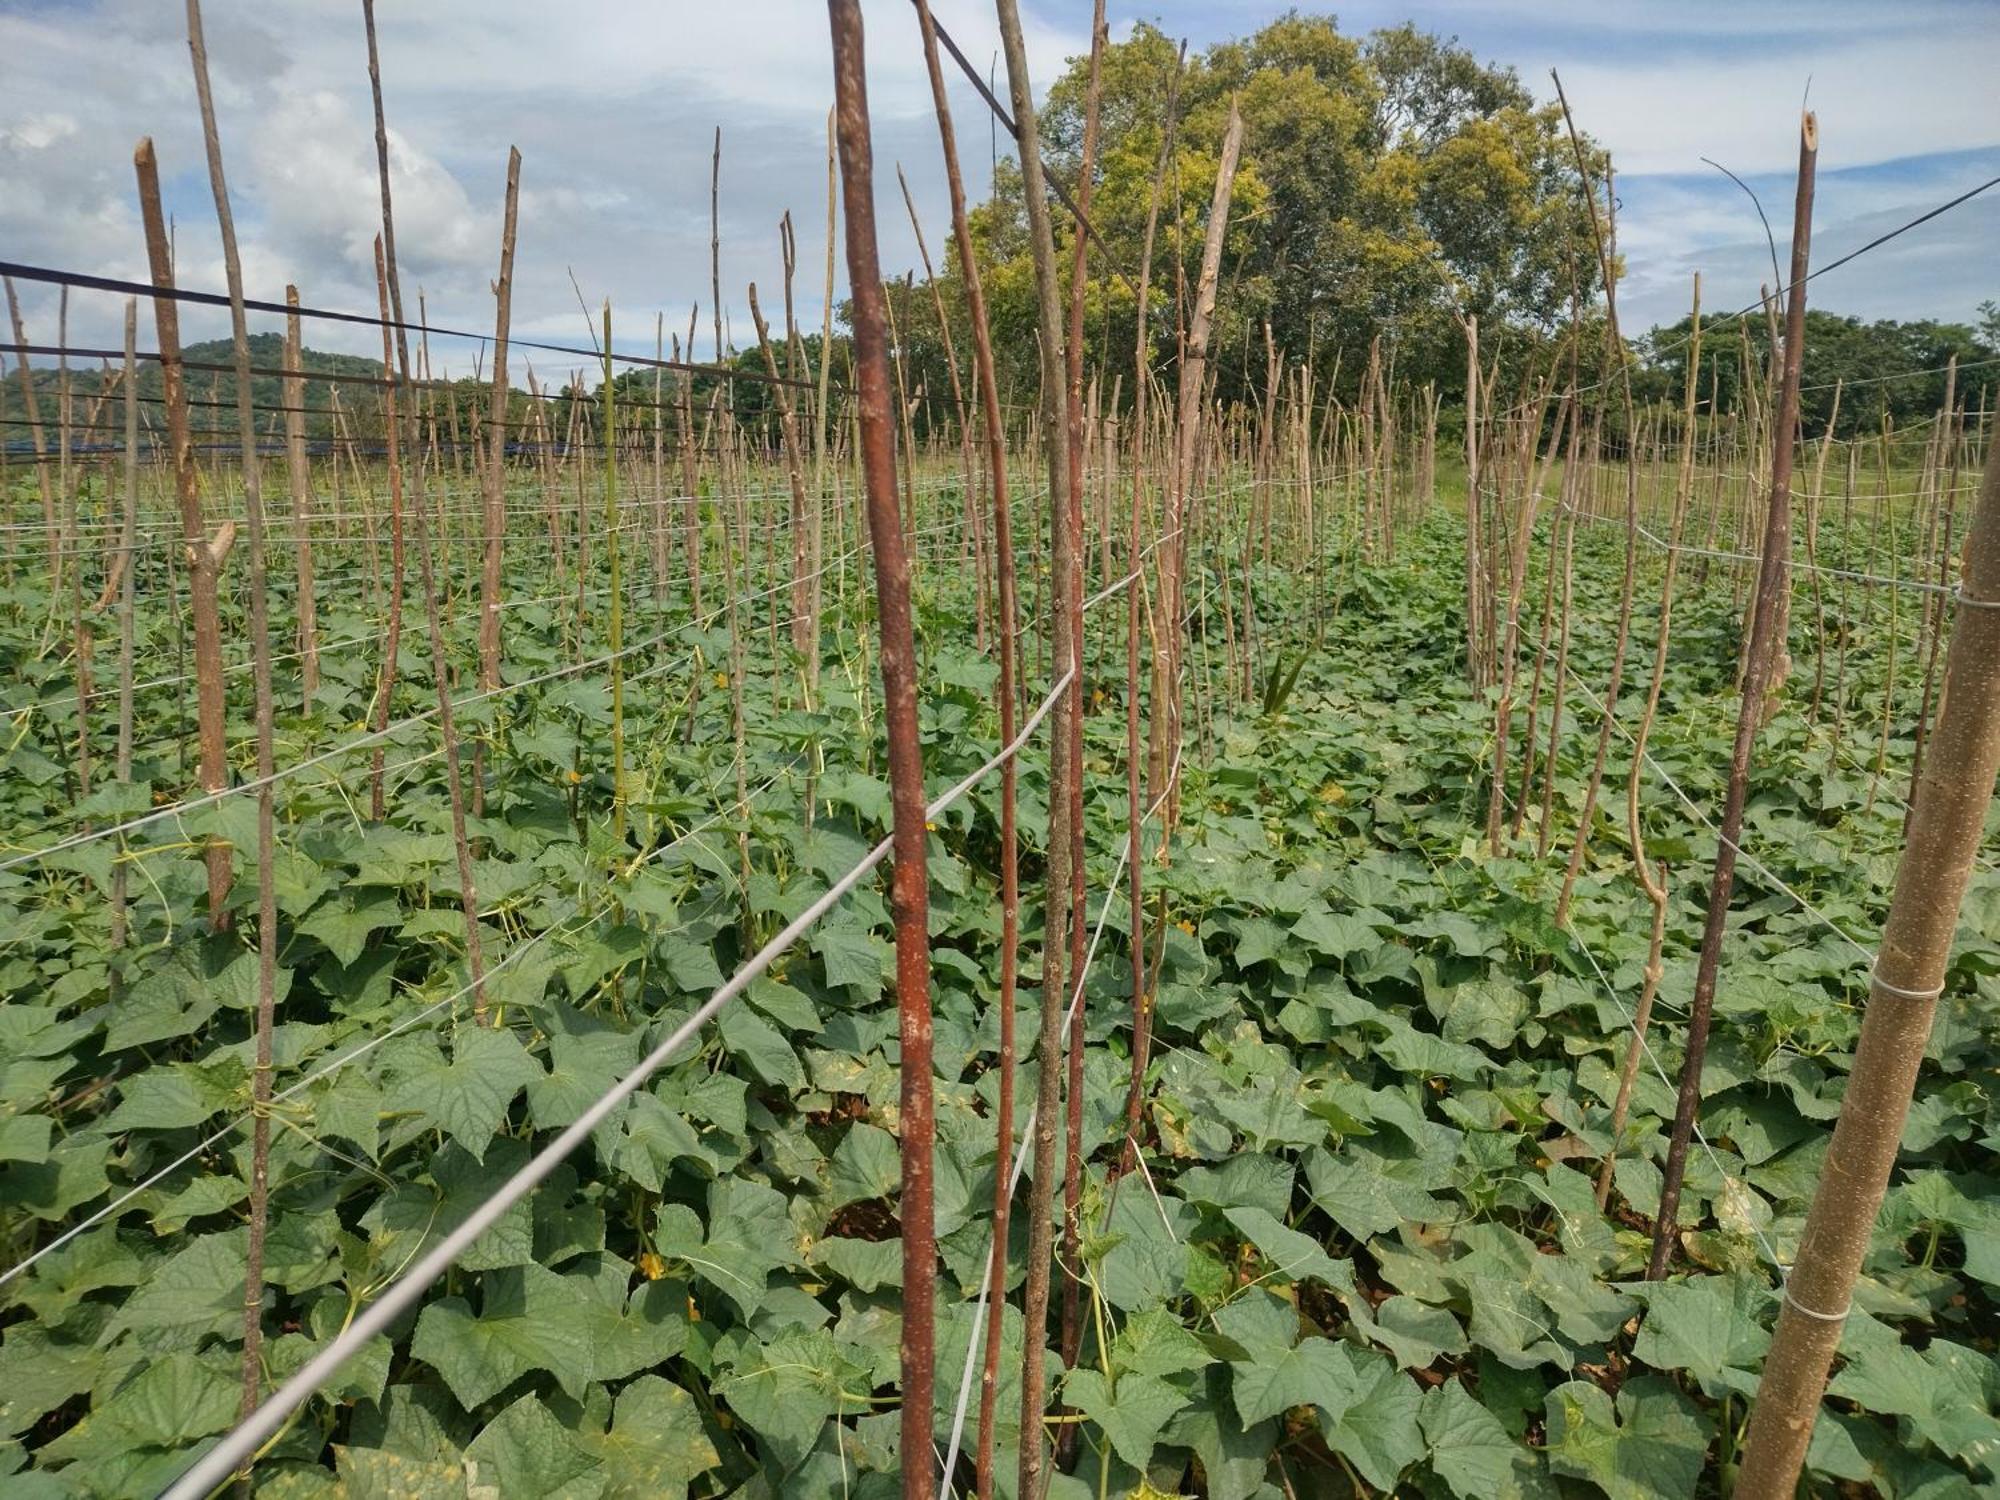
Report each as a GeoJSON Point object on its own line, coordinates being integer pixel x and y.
{"type": "Point", "coordinates": [613, 106]}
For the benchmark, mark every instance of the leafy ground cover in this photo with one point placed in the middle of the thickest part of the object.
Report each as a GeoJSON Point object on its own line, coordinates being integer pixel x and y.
{"type": "Point", "coordinates": [1366, 1254]}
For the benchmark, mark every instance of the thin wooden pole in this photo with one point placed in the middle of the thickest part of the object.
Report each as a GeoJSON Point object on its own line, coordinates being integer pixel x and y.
{"type": "Point", "coordinates": [909, 900]}
{"type": "Point", "coordinates": [1771, 575]}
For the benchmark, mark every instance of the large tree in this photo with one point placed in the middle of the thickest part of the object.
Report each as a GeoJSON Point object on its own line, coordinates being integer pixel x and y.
{"type": "Point", "coordinates": [1391, 185]}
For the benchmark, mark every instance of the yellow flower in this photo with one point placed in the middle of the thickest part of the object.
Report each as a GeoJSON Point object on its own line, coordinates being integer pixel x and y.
{"type": "Point", "coordinates": [722, 679]}
{"type": "Point", "coordinates": [573, 777]}
{"type": "Point", "coordinates": [652, 1265]}
{"type": "Point", "coordinates": [1186, 926]}
{"type": "Point", "coordinates": [929, 826]}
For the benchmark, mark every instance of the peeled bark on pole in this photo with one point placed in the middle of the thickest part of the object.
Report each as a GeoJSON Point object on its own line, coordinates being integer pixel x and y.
{"type": "Point", "coordinates": [388, 213]}
{"type": "Point", "coordinates": [909, 900]}
{"type": "Point", "coordinates": [1474, 658]}
{"type": "Point", "coordinates": [1142, 380]}
{"type": "Point", "coordinates": [205, 554]}
{"type": "Point", "coordinates": [128, 531]}
{"type": "Point", "coordinates": [1945, 828]}
{"type": "Point", "coordinates": [1759, 663]}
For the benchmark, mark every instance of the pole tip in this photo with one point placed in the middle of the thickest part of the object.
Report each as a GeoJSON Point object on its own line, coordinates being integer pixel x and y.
{"type": "Point", "coordinates": [1809, 130]}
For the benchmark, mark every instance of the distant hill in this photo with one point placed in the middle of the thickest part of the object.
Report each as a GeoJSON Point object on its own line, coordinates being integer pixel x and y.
{"type": "Point", "coordinates": [211, 390]}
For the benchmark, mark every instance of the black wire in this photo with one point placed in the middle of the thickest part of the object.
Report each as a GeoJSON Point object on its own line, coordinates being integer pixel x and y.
{"type": "Point", "coordinates": [89, 282]}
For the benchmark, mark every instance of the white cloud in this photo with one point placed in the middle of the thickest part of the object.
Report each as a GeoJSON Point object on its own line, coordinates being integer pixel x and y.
{"type": "Point", "coordinates": [613, 107]}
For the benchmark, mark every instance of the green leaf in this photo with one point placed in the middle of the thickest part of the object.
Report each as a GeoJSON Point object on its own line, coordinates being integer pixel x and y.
{"type": "Point", "coordinates": [1710, 1327]}
{"type": "Point", "coordinates": [851, 954]}
{"type": "Point", "coordinates": [1416, 1335]}
{"type": "Point", "coordinates": [748, 1236]}
{"type": "Point", "coordinates": [1234, 1458]}
{"type": "Point", "coordinates": [1131, 1413]}
{"type": "Point", "coordinates": [1362, 1196]}
{"type": "Point", "coordinates": [196, 1295]}
{"type": "Point", "coordinates": [1293, 1256]}
{"type": "Point", "coordinates": [1375, 1425]}
{"type": "Point", "coordinates": [343, 921]}
{"type": "Point", "coordinates": [170, 1403]}
{"type": "Point", "coordinates": [656, 1443]}
{"type": "Point", "coordinates": [761, 1046]}
{"type": "Point", "coordinates": [1280, 1375]}
{"type": "Point", "coordinates": [1650, 1447]}
{"type": "Point", "coordinates": [1949, 1393]}
{"type": "Point", "coordinates": [37, 1375]}
{"type": "Point", "coordinates": [787, 1389]}
{"type": "Point", "coordinates": [526, 1451]}
{"type": "Point", "coordinates": [1335, 934]}
{"type": "Point", "coordinates": [582, 1068]}
{"type": "Point", "coordinates": [1466, 1445]}
{"type": "Point", "coordinates": [1155, 1342]}
{"type": "Point", "coordinates": [866, 1164]}
{"type": "Point", "coordinates": [25, 1138]}
{"type": "Point", "coordinates": [469, 1096]}
{"type": "Point", "coordinates": [527, 1321]}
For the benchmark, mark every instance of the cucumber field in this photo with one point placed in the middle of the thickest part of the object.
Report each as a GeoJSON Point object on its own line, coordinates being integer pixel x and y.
{"type": "Point", "coordinates": [1191, 851]}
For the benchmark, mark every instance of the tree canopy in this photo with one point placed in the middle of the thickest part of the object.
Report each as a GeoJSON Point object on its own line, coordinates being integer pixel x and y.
{"type": "Point", "coordinates": [1390, 184]}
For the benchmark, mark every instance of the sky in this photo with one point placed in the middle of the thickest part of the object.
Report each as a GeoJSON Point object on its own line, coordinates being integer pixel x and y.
{"type": "Point", "coordinates": [614, 107]}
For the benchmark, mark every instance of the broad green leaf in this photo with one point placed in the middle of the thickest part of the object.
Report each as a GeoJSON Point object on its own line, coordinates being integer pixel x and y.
{"type": "Point", "coordinates": [1949, 1393]}
{"type": "Point", "coordinates": [1416, 1335]}
{"type": "Point", "coordinates": [867, 1164]}
{"type": "Point", "coordinates": [343, 921]}
{"type": "Point", "coordinates": [1651, 1446]}
{"type": "Point", "coordinates": [1277, 1373]}
{"type": "Point", "coordinates": [1362, 1196]}
{"type": "Point", "coordinates": [1374, 1425]}
{"type": "Point", "coordinates": [748, 1237]}
{"type": "Point", "coordinates": [526, 1321]}
{"type": "Point", "coordinates": [1292, 1256]}
{"type": "Point", "coordinates": [1155, 1342]}
{"type": "Point", "coordinates": [469, 1096]}
{"type": "Point", "coordinates": [760, 1046]}
{"type": "Point", "coordinates": [1711, 1327]}
{"type": "Point", "coordinates": [1130, 1413]}
{"type": "Point", "coordinates": [196, 1295]}
{"type": "Point", "coordinates": [170, 1403]}
{"type": "Point", "coordinates": [25, 1138]}
{"type": "Point", "coordinates": [1234, 1457]}
{"type": "Point", "coordinates": [526, 1451]}
{"type": "Point", "coordinates": [1335, 934]}
{"type": "Point", "coordinates": [656, 1444]}
{"type": "Point", "coordinates": [1466, 1445]}
{"type": "Point", "coordinates": [786, 1390]}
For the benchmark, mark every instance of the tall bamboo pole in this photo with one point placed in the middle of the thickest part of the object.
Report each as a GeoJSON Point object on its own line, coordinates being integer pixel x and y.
{"type": "Point", "coordinates": [1945, 828]}
{"type": "Point", "coordinates": [1006, 627]}
{"type": "Point", "coordinates": [1758, 665]}
{"type": "Point", "coordinates": [1058, 914]}
{"type": "Point", "coordinates": [909, 900]}
{"type": "Point", "coordinates": [299, 477]}
{"type": "Point", "coordinates": [205, 554]}
{"type": "Point", "coordinates": [260, 646]}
